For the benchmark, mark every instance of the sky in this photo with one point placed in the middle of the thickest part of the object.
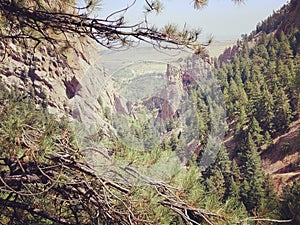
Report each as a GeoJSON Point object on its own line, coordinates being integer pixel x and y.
{"type": "Point", "coordinates": [222, 19]}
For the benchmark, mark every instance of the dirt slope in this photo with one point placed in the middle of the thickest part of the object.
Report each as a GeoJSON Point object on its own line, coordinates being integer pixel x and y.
{"type": "Point", "coordinates": [282, 159]}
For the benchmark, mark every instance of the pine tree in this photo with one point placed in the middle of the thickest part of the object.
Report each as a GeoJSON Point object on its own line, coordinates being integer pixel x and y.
{"type": "Point", "coordinates": [271, 50]}
{"type": "Point", "coordinates": [215, 183]}
{"type": "Point", "coordinates": [242, 120]}
{"type": "Point", "coordinates": [244, 194]}
{"type": "Point", "coordinates": [256, 75]}
{"type": "Point", "coordinates": [253, 90]}
{"type": "Point", "coordinates": [295, 40]}
{"type": "Point", "coordinates": [267, 138]}
{"type": "Point", "coordinates": [218, 174]}
{"type": "Point", "coordinates": [234, 188]}
{"type": "Point", "coordinates": [271, 203]}
{"type": "Point", "coordinates": [237, 70]}
{"type": "Point", "coordinates": [260, 55]}
{"type": "Point", "coordinates": [265, 111]}
{"type": "Point", "coordinates": [256, 131]}
{"type": "Point", "coordinates": [282, 110]}
{"type": "Point", "coordinates": [233, 92]}
{"type": "Point", "coordinates": [236, 173]}
{"type": "Point", "coordinates": [290, 206]}
{"type": "Point", "coordinates": [284, 74]}
{"type": "Point", "coordinates": [285, 52]}
{"type": "Point", "coordinates": [253, 177]}
{"type": "Point", "coordinates": [245, 46]}
{"type": "Point", "coordinates": [224, 165]}
{"type": "Point", "coordinates": [245, 73]}
{"type": "Point", "coordinates": [270, 73]}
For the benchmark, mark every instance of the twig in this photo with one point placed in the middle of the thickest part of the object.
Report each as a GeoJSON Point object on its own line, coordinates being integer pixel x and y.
{"type": "Point", "coordinates": [264, 219]}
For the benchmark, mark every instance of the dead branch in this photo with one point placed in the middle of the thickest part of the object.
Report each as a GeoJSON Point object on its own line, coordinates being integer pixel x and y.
{"type": "Point", "coordinates": [264, 219]}
{"type": "Point", "coordinates": [32, 210]}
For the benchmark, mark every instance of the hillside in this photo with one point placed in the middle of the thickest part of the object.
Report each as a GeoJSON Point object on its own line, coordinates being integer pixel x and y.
{"type": "Point", "coordinates": [281, 160]}
{"type": "Point", "coordinates": [260, 83]}
{"type": "Point", "coordinates": [285, 19]}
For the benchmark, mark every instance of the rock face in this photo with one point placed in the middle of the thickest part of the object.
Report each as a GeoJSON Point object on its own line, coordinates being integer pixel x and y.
{"type": "Point", "coordinates": [62, 79]}
{"type": "Point", "coordinates": [181, 76]}
{"type": "Point", "coordinates": [95, 100]}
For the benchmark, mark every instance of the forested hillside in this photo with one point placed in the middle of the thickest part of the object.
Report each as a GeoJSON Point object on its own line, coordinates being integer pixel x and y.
{"type": "Point", "coordinates": [47, 175]}
{"type": "Point", "coordinates": [260, 82]}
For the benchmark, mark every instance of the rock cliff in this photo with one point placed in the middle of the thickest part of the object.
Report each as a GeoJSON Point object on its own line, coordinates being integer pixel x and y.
{"type": "Point", "coordinates": [66, 80]}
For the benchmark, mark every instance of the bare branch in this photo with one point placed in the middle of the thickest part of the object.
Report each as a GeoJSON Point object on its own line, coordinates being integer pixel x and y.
{"type": "Point", "coordinates": [264, 219]}
{"type": "Point", "coordinates": [32, 210]}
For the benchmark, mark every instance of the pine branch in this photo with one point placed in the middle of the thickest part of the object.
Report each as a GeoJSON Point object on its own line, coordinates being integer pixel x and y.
{"type": "Point", "coordinates": [107, 32]}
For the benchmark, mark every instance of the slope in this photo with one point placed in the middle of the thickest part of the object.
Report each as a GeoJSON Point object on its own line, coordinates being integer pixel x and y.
{"type": "Point", "coordinates": [260, 77]}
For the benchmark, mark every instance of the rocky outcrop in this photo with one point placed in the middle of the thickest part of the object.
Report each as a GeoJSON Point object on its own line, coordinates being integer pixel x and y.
{"type": "Point", "coordinates": [181, 76]}
{"type": "Point", "coordinates": [61, 77]}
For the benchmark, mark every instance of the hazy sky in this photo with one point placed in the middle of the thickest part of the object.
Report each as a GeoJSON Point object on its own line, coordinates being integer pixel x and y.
{"type": "Point", "coordinates": [221, 18]}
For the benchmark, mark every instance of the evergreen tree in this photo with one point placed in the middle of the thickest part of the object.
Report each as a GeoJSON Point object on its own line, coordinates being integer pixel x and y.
{"type": "Point", "coordinates": [256, 75]}
{"type": "Point", "coordinates": [265, 111]}
{"type": "Point", "coordinates": [260, 55]}
{"type": "Point", "coordinates": [256, 131]}
{"type": "Point", "coordinates": [233, 97]}
{"type": "Point", "coordinates": [253, 178]}
{"type": "Point", "coordinates": [237, 70]}
{"type": "Point", "coordinates": [245, 46]}
{"type": "Point", "coordinates": [218, 174]}
{"type": "Point", "coordinates": [285, 52]}
{"type": "Point", "coordinates": [245, 68]}
{"type": "Point", "coordinates": [284, 74]}
{"type": "Point", "coordinates": [242, 120]}
{"type": "Point", "coordinates": [234, 188]}
{"type": "Point", "coordinates": [253, 90]}
{"type": "Point", "coordinates": [245, 193]}
{"type": "Point", "coordinates": [271, 203]}
{"type": "Point", "coordinates": [282, 110]}
{"type": "Point", "coordinates": [215, 183]}
{"type": "Point", "coordinates": [236, 173]}
{"type": "Point", "coordinates": [270, 72]}
{"type": "Point", "coordinates": [224, 165]}
{"type": "Point", "coordinates": [290, 206]}
{"type": "Point", "coordinates": [267, 138]}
